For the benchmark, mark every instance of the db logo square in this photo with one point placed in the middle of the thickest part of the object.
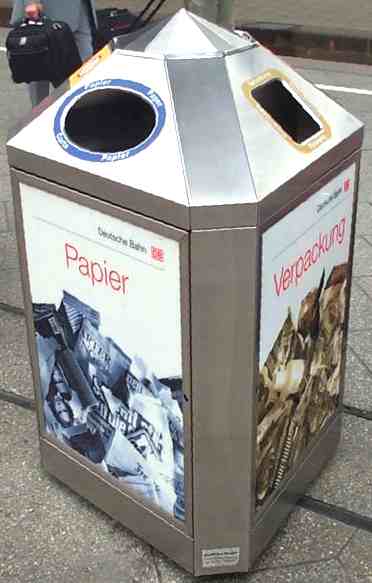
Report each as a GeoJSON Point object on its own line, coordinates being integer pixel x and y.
{"type": "Point", "coordinates": [157, 254]}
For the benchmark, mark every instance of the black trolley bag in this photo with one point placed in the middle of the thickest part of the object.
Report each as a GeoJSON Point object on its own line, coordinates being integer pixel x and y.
{"type": "Point", "coordinates": [114, 22]}
{"type": "Point", "coordinates": [42, 50]}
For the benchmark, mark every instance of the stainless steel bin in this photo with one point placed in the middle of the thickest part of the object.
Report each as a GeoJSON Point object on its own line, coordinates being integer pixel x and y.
{"type": "Point", "coordinates": [185, 212]}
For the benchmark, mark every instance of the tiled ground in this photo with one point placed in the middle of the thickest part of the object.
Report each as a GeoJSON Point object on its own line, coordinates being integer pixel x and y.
{"type": "Point", "coordinates": [51, 535]}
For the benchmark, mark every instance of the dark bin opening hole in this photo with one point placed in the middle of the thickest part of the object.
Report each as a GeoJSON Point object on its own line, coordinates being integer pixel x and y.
{"type": "Point", "coordinates": [110, 120]}
{"type": "Point", "coordinates": [283, 107]}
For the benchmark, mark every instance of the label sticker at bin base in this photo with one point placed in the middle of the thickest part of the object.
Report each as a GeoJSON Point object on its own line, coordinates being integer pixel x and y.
{"type": "Point", "coordinates": [223, 557]}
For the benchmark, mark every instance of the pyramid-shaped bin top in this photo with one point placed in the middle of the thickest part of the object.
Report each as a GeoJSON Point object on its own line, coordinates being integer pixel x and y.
{"type": "Point", "coordinates": [188, 123]}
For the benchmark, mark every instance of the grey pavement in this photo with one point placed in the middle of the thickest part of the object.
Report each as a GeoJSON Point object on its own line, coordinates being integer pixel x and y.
{"type": "Point", "coordinates": [331, 30]}
{"type": "Point", "coordinates": [329, 13]}
{"type": "Point", "coordinates": [49, 534]}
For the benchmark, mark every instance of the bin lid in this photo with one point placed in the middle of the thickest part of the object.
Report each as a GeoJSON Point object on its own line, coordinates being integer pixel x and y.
{"type": "Point", "coordinates": [188, 123]}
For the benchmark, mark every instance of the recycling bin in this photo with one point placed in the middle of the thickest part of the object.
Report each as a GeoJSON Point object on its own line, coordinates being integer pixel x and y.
{"type": "Point", "coordinates": [185, 210]}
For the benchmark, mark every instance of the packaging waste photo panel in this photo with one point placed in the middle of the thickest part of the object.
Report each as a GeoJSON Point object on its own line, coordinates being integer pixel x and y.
{"type": "Point", "coordinates": [107, 318]}
{"type": "Point", "coordinates": [305, 270]}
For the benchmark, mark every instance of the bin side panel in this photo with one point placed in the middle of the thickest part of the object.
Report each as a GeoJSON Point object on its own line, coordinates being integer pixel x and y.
{"type": "Point", "coordinates": [109, 348]}
{"type": "Point", "coordinates": [304, 295]}
{"type": "Point", "coordinates": [223, 324]}
{"type": "Point", "coordinates": [119, 505]}
{"type": "Point", "coordinates": [270, 521]}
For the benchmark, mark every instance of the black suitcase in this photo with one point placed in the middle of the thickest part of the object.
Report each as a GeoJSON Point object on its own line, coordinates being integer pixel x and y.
{"type": "Point", "coordinates": [113, 22]}
{"type": "Point", "coordinates": [42, 50]}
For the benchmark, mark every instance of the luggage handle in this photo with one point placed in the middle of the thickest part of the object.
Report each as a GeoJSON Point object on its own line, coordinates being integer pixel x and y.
{"type": "Point", "coordinates": [40, 22]}
{"type": "Point", "coordinates": [27, 21]}
{"type": "Point", "coordinates": [149, 17]}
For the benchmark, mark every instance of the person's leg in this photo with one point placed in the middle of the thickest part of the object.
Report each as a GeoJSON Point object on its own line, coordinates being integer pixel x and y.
{"type": "Point", "coordinates": [38, 90]}
{"type": "Point", "coordinates": [83, 34]}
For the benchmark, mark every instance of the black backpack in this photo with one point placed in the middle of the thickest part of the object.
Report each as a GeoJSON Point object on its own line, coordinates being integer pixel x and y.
{"type": "Point", "coordinates": [42, 50]}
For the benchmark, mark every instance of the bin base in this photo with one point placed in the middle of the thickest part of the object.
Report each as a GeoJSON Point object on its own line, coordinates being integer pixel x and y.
{"type": "Point", "coordinates": [165, 536]}
{"type": "Point", "coordinates": [276, 514]}
{"type": "Point", "coordinates": [121, 507]}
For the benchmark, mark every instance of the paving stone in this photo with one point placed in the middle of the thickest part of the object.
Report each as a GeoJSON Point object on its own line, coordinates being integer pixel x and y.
{"type": "Point", "coordinates": [14, 102]}
{"type": "Point", "coordinates": [362, 257]}
{"type": "Point", "coordinates": [15, 371]}
{"type": "Point", "coordinates": [354, 71]}
{"type": "Point", "coordinates": [368, 238]}
{"type": "Point", "coordinates": [360, 309]}
{"type": "Point", "coordinates": [366, 118]}
{"type": "Point", "coordinates": [10, 215]}
{"type": "Point", "coordinates": [3, 217]}
{"type": "Point", "coordinates": [3, 129]}
{"type": "Point", "coordinates": [8, 251]}
{"type": "Point", "coordinates": [305, 537]}
{"type": "Point", "coordinates": [365, 283]}
{"type": "Point", "coordinates": [365, 184]}
{"type": "Point", "coordinates": [360, 342]}
{"type": "Point", "coordinates": [3, 158]}
{"type": "Point", "coordinates": [319, 572]}
{"type": "Point", "coordinates": [367, 141]}
{"type": "Point", "coordinates": [364, 219]}
{"type": "Point", "coordinates": [169, 572]}
{"type": "Point", "coordinates": [4, 167]}
{"type": "Point", "coordinates": [358, 383]}
{"type": "Point", "coordinates": [323, 572]}
{"type": "Point", "coordinates": [10, 288]}
{"type": "Point", "coordinates": [347, 479]}
{"type": "Point", "coordinates": [5, 191]}
{"type": "Point", "coordinates": [357, 557]}
{"type": "Point", "coordinates": [319, 72]}
{"type": "Point", "coordinates": [355, 104]}
{"type": "Point", "coordinates": [50, 535]}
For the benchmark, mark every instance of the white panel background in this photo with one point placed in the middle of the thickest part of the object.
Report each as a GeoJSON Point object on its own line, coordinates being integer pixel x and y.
{"type": "Point", "coordinates": [146, 321]}
{"type": "Point", "coordinates": [292, 236]}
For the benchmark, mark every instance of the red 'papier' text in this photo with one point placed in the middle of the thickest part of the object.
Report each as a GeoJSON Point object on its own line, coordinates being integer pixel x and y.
{"type": "Point", "coordinates": [97, 272]}
{"type": "Point", "coordinates": [290, 275]}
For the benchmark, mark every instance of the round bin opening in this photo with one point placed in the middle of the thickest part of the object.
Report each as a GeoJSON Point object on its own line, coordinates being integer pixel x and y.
{"type": "Point", "coordinates": [109, 120]}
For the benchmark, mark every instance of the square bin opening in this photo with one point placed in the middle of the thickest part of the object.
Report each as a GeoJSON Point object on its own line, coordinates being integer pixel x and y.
{"type": "Point", "coordinates": [284, 108]}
